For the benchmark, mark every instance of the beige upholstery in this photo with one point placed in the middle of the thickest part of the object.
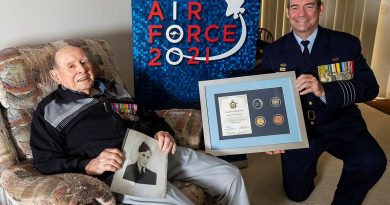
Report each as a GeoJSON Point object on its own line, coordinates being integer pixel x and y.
{"type": "Point", "coordinates": [24, 81]}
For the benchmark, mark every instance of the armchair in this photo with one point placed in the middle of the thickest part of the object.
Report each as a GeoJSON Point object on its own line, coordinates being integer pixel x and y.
{"type": "Point", "coordinates": [24, 81]}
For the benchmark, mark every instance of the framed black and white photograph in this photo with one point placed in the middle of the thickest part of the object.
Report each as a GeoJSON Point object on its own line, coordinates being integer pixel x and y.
{"type": "Point", "coordinates": [252, 114]}
{"type": "Point", "coordinates": [144, 172]}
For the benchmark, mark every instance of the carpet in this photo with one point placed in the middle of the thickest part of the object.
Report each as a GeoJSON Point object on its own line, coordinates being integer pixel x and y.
{"type": "Point", "coordinates": [382, 105]}
{"type": "Point", "coordinates": [263, 176]}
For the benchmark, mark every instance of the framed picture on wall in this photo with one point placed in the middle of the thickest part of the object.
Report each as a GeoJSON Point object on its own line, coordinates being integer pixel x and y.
{"type": "Point", "coordinates": [252, 114]}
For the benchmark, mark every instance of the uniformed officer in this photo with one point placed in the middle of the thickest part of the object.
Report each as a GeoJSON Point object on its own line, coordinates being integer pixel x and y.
{"type": "Point", "coordinates": [332, 76]}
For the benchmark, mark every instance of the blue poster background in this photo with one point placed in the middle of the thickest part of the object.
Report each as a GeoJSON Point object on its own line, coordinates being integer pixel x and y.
{"type": "Point", "coordinates": [176, 86]}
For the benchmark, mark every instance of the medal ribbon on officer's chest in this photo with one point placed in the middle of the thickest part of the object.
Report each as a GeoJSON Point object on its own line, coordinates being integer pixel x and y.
{"type": "Point", "coordinates": [336, 71]}
{"type": "Point", "coordinates": [125, 110]}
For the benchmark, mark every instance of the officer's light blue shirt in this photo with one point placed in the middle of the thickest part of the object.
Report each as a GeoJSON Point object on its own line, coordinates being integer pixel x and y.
{"type": "Point", "coordinates": [311, 39]}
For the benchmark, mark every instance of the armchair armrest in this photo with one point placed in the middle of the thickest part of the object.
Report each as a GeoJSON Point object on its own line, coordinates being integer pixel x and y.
{"type": "Point", "coordinates": [26, 185]}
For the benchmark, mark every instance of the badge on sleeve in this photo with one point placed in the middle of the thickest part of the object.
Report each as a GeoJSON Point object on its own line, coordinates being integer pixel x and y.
{"type": "Point", "coordinates": [336, 71]}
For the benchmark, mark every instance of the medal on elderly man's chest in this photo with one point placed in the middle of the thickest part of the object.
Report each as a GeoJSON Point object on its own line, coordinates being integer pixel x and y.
{"type": "Point", "coordinates": [126, 111]}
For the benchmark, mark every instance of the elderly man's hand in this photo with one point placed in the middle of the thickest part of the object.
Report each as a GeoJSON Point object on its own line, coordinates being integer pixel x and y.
{"type": "Point", "coordinates": [165, 142]}
{"type": "Point", "coordinates": [307, 83]}
{"type": "Point", "coordinates": [108, 160]}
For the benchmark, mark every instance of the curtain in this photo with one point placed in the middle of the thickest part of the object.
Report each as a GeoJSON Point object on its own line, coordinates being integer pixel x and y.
{"type": "Point", "coordinates": [357, 17]}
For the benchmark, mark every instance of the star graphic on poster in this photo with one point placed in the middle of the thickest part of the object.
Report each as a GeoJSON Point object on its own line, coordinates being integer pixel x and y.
{"type": "Point", "coordinates": [234, 7]}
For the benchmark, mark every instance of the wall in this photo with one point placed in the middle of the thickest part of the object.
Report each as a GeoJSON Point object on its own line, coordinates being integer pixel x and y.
{"type": "Point", "coordinates": [381, 61]}
{"type": "Point", "coordinates": [388, 87]}
{"type": "Point", "coordinates": [39, 21]}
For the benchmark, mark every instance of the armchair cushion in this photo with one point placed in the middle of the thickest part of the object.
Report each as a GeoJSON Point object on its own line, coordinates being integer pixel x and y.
{"type": "Point", "coordinates": [8, 154]}
{"type": "Point", "coordinates": [24, 78]}
{"type": "Point", "coordinates": [18, 122]}
{"type": "Point", "coordinates": [187, 124]}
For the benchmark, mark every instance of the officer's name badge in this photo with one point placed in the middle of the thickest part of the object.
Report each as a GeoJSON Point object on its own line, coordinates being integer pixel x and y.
{"type": "Point", "coordinates": [336, 71]}
{"type": "Point", "coordinates": [283, 67]}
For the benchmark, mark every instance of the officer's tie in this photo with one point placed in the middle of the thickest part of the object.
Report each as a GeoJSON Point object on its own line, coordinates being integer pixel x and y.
{"type": "Point", "coordinates": [305, 51]}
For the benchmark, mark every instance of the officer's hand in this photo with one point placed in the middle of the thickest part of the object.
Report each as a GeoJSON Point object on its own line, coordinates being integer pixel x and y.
{"type": "Point", "coordinates": [108, 160]}
{"type": "Point", "coordinates": [275, 152]}
{"type": "Point", "coordinates": [307, 83]}
{"type": "Point", "coordinates": [165, 142]}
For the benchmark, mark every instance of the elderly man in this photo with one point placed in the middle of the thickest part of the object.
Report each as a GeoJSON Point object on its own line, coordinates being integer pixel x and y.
{"type": "Point", "coordinates": [77, 128]}
{"type": "Point", "coordinates": [332, 76]}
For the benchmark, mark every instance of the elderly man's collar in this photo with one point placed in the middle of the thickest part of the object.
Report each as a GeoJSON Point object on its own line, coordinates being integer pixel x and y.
{"type": "Point", "coordinates": [104, 89]}
{"type": "Point", "coordinates": [67, 95]}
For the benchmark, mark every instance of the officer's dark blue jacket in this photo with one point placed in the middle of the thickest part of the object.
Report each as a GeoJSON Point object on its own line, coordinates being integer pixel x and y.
{"type": "Point", "coordinates": [339, 115]}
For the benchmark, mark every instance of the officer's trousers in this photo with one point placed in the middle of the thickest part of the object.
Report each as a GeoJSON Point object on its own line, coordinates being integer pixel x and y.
{"type": "Point", "coordinates": [218, 178]}
{"type": "Point", "coordinates": [364, 163]}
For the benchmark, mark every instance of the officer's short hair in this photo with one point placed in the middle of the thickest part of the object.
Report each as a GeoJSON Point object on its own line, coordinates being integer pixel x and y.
{"type": "Point", "coordinates": [143, 147]}
{"type": "Point", "coordinates": [319, 2]}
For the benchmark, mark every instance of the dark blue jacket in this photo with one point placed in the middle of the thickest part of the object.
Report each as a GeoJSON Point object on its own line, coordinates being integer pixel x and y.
{"type": "Point", "coordinates": [339, 116]}
{"type": "Point", "coordinates": [69, 129]}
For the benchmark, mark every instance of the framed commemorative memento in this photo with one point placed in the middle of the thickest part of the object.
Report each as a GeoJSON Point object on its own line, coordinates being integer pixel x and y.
{"type": "Point", "coordinates": [252, 114]}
